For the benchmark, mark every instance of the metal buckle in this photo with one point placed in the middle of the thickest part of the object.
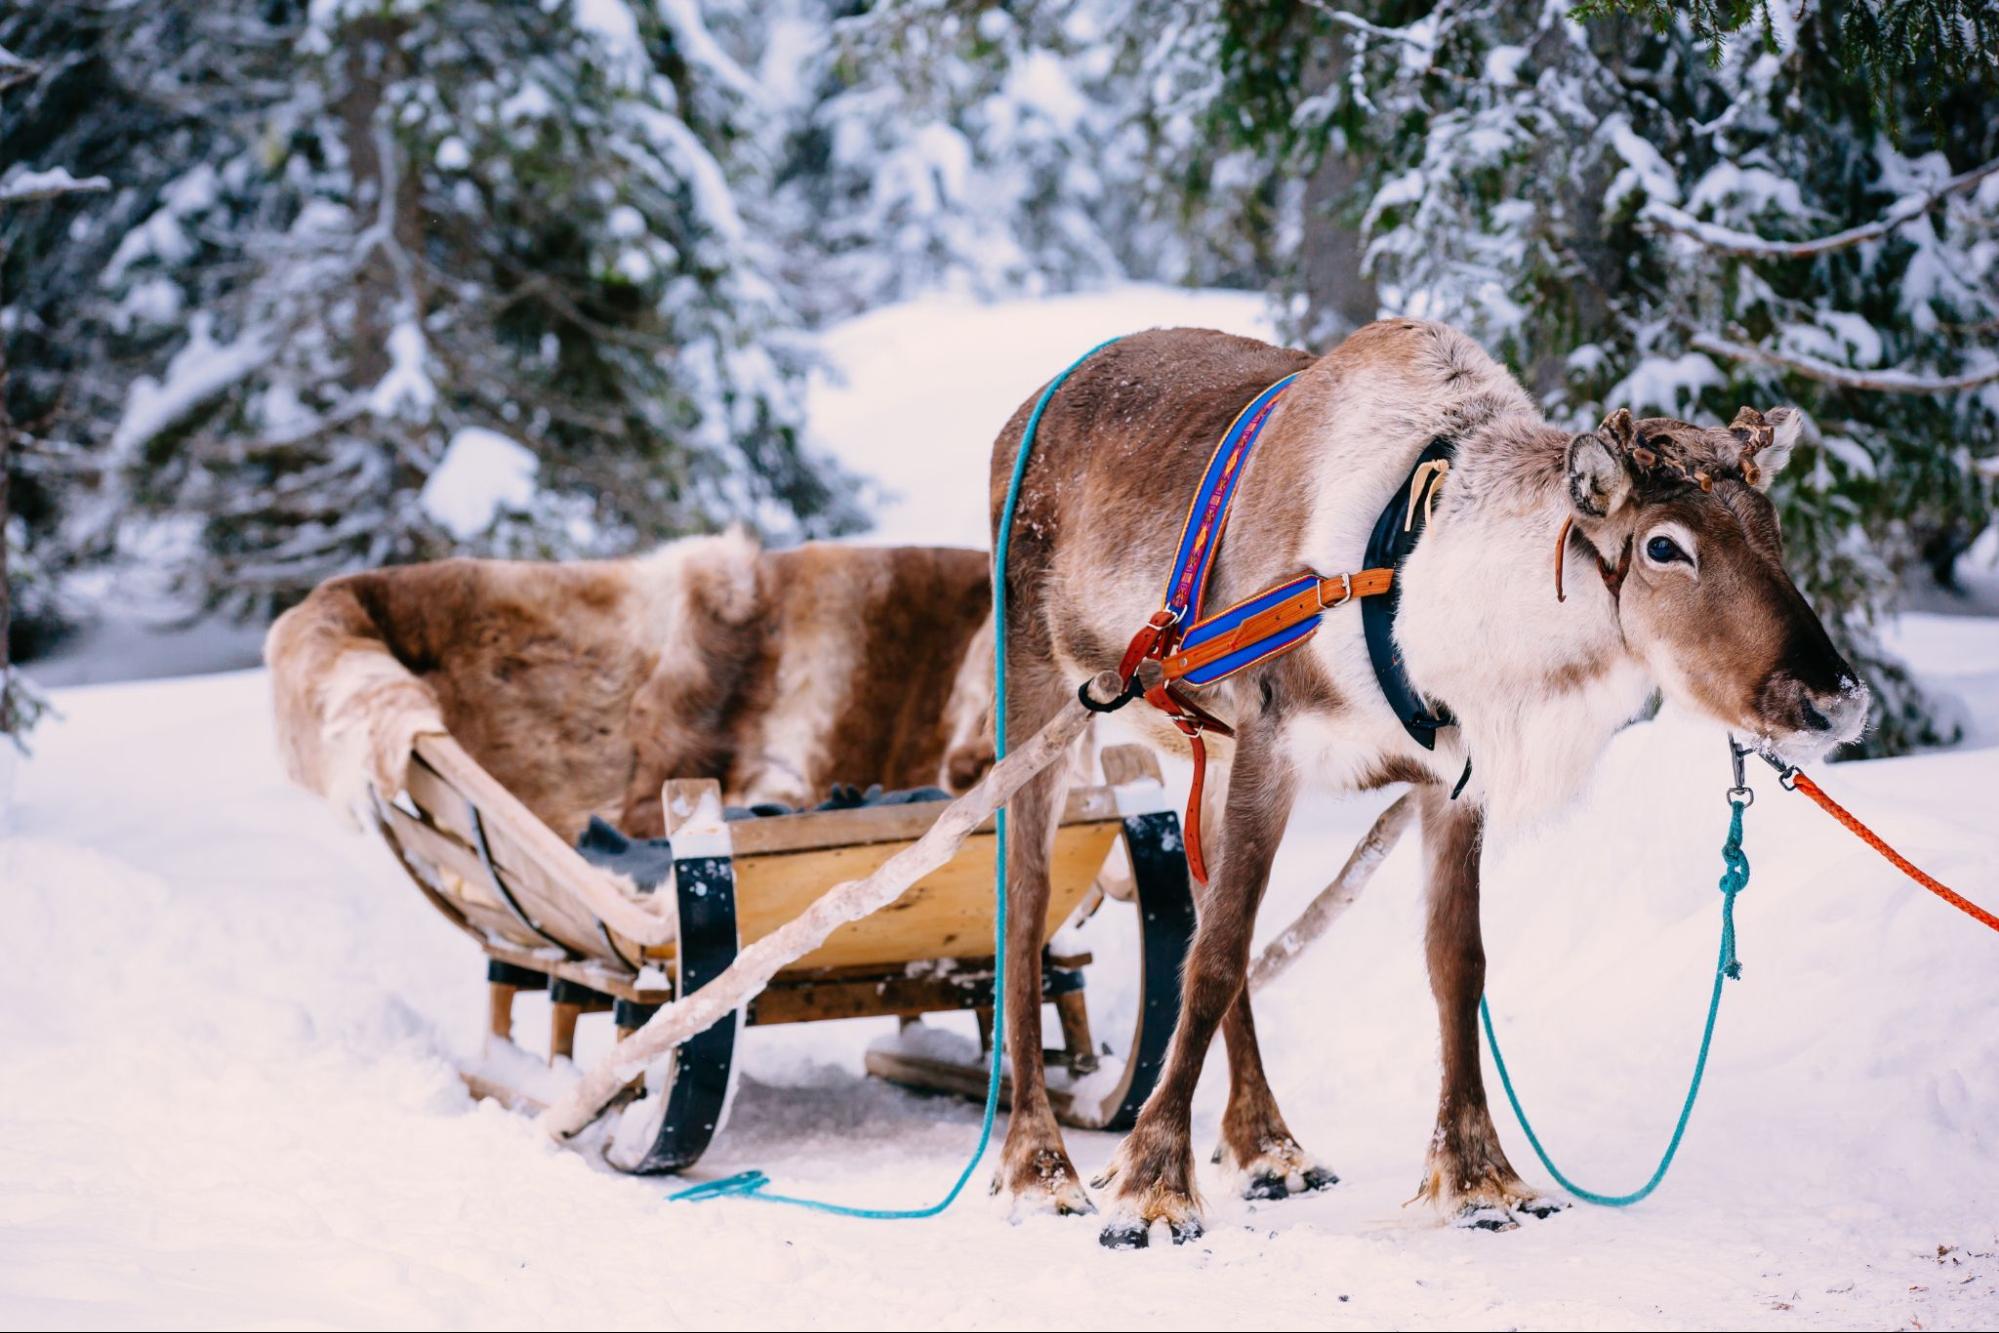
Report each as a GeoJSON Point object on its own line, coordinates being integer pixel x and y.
{"type": "Point", "coordinates": [1740, 794]}
{"type": "Point", "coordinates": [1787, 774]}
{"type": "Point", "coordinates": [1346, 592]}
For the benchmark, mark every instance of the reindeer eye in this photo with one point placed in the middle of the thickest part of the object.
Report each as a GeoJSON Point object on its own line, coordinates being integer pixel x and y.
{"type": "Point", "coordinates": [1664, 551]}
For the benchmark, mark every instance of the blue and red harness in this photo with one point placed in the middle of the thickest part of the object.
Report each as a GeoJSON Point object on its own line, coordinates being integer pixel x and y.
{"type": "Point", "coordinates": [1194, 649]}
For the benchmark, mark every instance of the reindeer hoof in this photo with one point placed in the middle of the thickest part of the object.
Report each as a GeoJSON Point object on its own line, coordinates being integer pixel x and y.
{"type": "Point", "coordinates": [1044, 1183]}
{"type": "Point", "coordinates": [1505, 1217]}
{"type": "Point", "coordinates": [1126, 1234]}
{"type": "Point", "coordinates": [1271, 1186]}
{"type": "Point", "coordinates": [1135, 1233]}
{"type": "Point", "coordinates": [1155, 1184]}
{"type": "Point", "coordinates": [1068, 1201]}
{"type": "Point", "coordinates": [1267, 1188]}
{"type": "Point", "coordinates": [1280, 1170]}
{"type": "Point", "coordinates": [1485, 1217]}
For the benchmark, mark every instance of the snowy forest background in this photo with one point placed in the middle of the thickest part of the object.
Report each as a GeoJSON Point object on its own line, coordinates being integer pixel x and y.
{"type": "Point", "coordinates": [271, 271]}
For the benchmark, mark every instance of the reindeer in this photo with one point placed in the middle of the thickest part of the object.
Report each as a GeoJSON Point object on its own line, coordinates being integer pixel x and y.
{"type": "Point", "coordinates": [1675, 582]}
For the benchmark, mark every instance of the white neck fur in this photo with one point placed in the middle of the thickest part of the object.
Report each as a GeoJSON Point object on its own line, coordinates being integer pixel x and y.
{"type": "Point", "coordinates": [1538, 686]}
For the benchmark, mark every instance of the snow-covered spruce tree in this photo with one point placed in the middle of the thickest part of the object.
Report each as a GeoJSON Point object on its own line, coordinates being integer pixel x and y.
{"type": "Point", "coordinates": [40, 281]}
{"type": "Point", "coordinates": [408, 233]}
{"type": "Point", "coordinates": [25, 584]}
{"type": "Point", "coordinates": [1254, 195]}
{"type": "Point", "coordinates": [941, 144]}
{"type": "Point", "coordinates": [1680, 219]}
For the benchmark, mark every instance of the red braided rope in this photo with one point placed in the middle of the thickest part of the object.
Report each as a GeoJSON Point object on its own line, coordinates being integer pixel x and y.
{"type": "Point", "coordinates": [1900, 862]}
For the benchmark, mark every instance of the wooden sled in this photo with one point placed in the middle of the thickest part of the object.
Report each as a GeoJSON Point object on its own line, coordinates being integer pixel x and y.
{"type": "Point", "coordinates": [497, 872]}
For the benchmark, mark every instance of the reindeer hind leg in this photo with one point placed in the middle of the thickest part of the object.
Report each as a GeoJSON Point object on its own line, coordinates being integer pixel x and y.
{"type": "Point", "coordinates": [1034, 1166]}
{"type": "Point", "coordinates": [1154, 1167]}
{"type": "Point", "coordinates": [1257, 1150]}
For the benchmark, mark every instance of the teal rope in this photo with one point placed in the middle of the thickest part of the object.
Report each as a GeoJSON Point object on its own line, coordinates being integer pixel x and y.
{"type": "Point", "coordinates": [1734, 879]}
{"type": "Point", "coordinates": [755, 1184]}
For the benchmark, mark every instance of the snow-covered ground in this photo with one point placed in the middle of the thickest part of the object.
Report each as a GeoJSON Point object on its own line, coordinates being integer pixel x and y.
{"type": "Point", "coordinates": [229, 1025]}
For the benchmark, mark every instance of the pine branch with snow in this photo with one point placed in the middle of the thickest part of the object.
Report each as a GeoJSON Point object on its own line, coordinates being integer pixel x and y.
{"type": "Point", "coordinates": [955, 147]}
{"type": "Point", "coordinates": [21, 186]}
{"type": "Point", "coordinates": [406, 227]}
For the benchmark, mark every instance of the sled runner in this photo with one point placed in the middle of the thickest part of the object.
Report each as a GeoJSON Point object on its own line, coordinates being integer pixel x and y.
{"type": "Point", "coordinates": [537, 909]}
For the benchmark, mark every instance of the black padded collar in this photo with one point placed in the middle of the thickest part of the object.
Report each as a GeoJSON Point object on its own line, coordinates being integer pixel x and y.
{"type": "Point", "coordinates": [1395, 535]}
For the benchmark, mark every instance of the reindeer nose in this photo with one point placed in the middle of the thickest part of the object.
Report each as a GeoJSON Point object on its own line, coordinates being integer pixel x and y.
{"type": "Point", "coordinates": [1841, 711]}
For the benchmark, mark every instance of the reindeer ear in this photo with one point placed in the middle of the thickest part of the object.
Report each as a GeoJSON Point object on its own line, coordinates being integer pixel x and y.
{"type": "Point", "coordinates": [1598, 483]}
{"type": "Point", "coordinates": [1763, 441]}
{"type": "Point", "coordinates": [1786, 423]}
{"type": "Point", "coordinates": [1619, 431]}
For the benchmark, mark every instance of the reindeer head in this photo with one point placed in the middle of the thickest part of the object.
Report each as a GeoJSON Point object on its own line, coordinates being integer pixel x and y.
{"type": "Point", "coordinates": [1688, 540]}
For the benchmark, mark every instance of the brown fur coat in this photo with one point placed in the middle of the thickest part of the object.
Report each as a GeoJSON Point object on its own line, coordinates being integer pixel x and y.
{"type": "Point", "coordinates": [583, 686]}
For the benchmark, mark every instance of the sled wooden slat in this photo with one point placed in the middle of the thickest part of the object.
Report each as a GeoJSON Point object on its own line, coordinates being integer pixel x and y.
{"type": "Point", "coordinates": [817, 830]}
{"type": "Point", "coordinates": [965, 1080]}
{"type": "Point", "coordinates": [813, 997]}
{"type": "Point", "coordinates": [437, 886]}
{"type": "Point", "coordinates": [496, 924]}
{"type": "Point", "coordinates": [612, 979]}
{"type": "Point", "coordinates": [544, 895]}
{"type": "Point", "coordinates": [486, 1089]}
{"type": "Point", "coordinates": [550, 898]}
{"type": "Point", "coordinates": [459, 875]}
{"type": "Point", "coordinates": [947, 915]}
{"type": "Point", "coordinates": [446, 852]}
{"type": "Point", "coordinates": [574, 889]}
{"type": "Point", "coordinates": [441, 804]}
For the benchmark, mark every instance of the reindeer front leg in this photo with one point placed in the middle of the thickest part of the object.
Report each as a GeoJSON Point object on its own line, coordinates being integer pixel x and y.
{"type": "Point", "coordinates": [1467, 1174]}
{"type": "Point", "coordinates": [1153, 1169]}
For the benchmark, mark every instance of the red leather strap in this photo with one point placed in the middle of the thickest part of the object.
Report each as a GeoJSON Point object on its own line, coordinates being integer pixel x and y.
{"type": "Point", "coordinates": [1160, 637]}
{"type": "Point", "coordinates": [1152, 641]}
{"type": "Point", "coordinates": [1193, 721]}
{"type": "Point", "coordinates": [1168, 699]}
{"type": "Point", "coordinates": [1197, 864]}
{"type": "Point", "coordinates": [1159, 640]}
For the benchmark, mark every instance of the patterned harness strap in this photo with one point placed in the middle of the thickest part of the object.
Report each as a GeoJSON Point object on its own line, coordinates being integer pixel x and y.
{"type": "Point", "coordinates": [1194, 650]}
